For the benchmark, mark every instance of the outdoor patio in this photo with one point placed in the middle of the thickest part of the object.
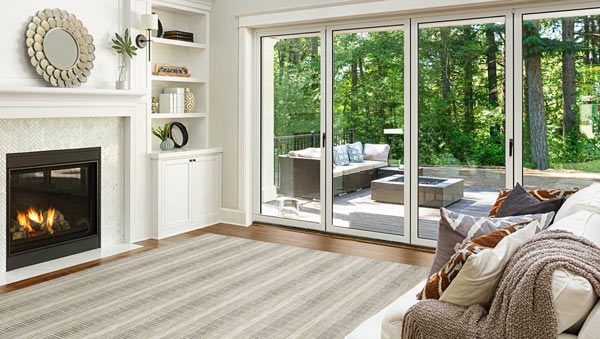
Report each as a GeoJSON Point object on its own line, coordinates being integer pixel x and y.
{"type": "Point", "coordinates": [357, 210]}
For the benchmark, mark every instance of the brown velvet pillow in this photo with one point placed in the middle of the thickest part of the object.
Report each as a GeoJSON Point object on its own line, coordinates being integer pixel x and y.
{"type": "Point", "coordinates": [539, 194]}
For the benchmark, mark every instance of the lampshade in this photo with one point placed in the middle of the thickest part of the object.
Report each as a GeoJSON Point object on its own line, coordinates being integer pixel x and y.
{"type": "Point", "coordinates": [149, 21]}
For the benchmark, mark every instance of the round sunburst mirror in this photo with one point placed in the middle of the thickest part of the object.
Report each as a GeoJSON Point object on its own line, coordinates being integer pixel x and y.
{"type": "Point", "coordinates": [60, 48]}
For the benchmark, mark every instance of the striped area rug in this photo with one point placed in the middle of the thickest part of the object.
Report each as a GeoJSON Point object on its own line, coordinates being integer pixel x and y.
{"type": "Point", "coordinates": [211, 286]}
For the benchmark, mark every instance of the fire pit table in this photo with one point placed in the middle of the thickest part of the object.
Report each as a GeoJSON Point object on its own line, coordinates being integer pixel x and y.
{"type": "Point", "coordinates": [433, 192]}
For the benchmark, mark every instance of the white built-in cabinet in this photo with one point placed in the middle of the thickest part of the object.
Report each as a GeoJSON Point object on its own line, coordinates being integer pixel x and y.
{"type": "Point", "coordinates": [186, 182]}
{"type": "Point", "coordinates": [188, 191]}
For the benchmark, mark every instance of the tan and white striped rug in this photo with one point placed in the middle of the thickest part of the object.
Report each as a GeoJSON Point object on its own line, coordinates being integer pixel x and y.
{"type": "Point", "coordinates": [211, 286]}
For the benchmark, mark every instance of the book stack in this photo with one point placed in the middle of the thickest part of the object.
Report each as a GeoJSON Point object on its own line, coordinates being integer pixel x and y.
{"type": "Point", "coordinates": [172, 100]}
{"type": "Point", "coordinates": [179, 35]}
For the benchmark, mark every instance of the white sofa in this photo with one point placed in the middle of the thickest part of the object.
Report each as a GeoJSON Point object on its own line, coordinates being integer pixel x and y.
{"type": "Point", "coordinates": [387, 323]}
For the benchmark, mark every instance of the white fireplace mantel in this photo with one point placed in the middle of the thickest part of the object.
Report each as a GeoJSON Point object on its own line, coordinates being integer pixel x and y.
{"type": "Point", "coordinates": [50, 102]}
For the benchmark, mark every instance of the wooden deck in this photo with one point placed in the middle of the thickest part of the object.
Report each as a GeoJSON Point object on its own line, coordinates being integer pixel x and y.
{"type": "Point", "coordinates": [358, 211]}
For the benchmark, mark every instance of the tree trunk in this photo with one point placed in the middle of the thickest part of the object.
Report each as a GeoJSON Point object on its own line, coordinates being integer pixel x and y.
{"type": "Point", "coordinates": [568, 73]}
{"type": "Point", "coordinates": [536, 113]}
{"type": "Point", "coordinates": [587, 40]}
{"type": "Point", "coordinates": [492, 70]}
{"type": "Point", "coordinates": [445, 64]}
{"type": "Point", "coordinates": [469, 100]}
{"type": "Point", "coordinates": [354, 89]}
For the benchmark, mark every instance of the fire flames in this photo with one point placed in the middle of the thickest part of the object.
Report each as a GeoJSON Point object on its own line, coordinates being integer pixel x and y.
{"type": "Point", "coordinates": [25, 219]}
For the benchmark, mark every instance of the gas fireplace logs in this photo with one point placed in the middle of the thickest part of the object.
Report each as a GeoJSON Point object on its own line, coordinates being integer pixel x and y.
{"type": "Point", "coordinates": [37, 223]}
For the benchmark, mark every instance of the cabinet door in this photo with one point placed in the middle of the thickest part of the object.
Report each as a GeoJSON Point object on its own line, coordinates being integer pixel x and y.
{"type": "Point", "coordinates": [206, 189]}
{"type": "Point", "coordinates": [176, 197]}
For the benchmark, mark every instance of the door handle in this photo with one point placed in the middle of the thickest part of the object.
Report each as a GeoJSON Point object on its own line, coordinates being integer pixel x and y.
{"type": "Point", "coordinates": [511, 147]}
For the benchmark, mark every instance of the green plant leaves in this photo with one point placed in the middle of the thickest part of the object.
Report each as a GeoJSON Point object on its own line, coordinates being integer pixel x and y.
{"type": "Point", "coordinates": [124, 45]}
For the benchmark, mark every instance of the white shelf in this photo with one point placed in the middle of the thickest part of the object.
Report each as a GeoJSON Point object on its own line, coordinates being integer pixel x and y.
{"type": "Point", "coordinates": [171, 42]}
{"type": "Point", "coordinates": [185, 152]}
{"type": "Point", "coordinates": [177, 79]}
{"type": "Point", "coordinates": [178, 115]}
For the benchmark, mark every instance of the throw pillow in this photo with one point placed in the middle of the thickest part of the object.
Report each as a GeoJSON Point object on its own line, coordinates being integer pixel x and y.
{"type": "Point", "coordinates": [539, 194]}
{"type": "Point", "coordinates": [340, 156]}
{"type": "Point", "coordinates": [573, 298]}
{"type": "Point", "coordinates": [455, 228]}
{"type": "Point", "coordinates": [588, 199]}
{"type": "Point", "coordinates": [377, 152]}
{"type": "Point", "coordinates": [355, 152]}
{"type": "Point", "coordinates": [591, 326]}
{"type": "Point", "coordinates": [483, 265]}
{"type": "Point", "coordinates": [519, 202]}
{"type": "Point", "coordinates": [439, 282]}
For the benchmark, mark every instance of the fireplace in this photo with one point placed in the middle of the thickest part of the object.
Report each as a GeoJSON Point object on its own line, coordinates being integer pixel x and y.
{"type": "Point", "coordinates": [53, 204]}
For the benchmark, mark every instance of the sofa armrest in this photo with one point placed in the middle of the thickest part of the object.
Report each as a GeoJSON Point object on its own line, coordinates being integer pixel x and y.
{"type": "Point", "coordinates": [391, 326]}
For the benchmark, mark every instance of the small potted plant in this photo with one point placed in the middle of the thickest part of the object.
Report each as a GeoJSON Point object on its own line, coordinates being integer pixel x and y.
{"type": "Point", "coordinates": [162, 133]}
{"type": "Point", "coordinates": [126, 49]}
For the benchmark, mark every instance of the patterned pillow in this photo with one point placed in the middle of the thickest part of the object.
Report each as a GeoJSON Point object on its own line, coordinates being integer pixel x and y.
{"type": "Point", "coordinates": [439, 282]}
{"type": "Point", "coordinates": [454, 229]}
{"type": "Point", "coordinates": [355, 152]}
{"type": "Point", "coordinates": [340, 156]}
{"type": "Point", "coordinates": [539, 194]}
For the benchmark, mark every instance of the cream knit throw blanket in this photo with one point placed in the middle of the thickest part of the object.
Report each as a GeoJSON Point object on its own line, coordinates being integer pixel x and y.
{"type": "Point", "coordinates": [522, 306]}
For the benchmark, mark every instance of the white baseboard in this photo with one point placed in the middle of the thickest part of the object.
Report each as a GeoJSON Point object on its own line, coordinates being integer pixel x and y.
{"type": "Point", "coordinates": [235, 217]}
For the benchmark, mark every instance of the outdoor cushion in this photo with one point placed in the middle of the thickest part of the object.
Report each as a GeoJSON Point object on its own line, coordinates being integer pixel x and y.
{"type": "Point", "coordinates": [456, 228]}
{"type": "Point", "coordinates": [355, 168]}
{"type": "Point", "coordinates": [539, 194]}
{"type": "Point", "coordinates": [338, 171]}
{"type": "Point", "coordinates": [520, 202]}
{"type": "Point", "coordinates": [310, 152]}
{"type": "Point", "coordinates": [376, 152]}
{"type": "Point", "coordinates": [588, 199]}
{"type": "Point", "coordinates": [340, 156]}
{"type": "Point", "coordinates": [372, 164]}
{"type": "Point", "coordinates": [355, 152]}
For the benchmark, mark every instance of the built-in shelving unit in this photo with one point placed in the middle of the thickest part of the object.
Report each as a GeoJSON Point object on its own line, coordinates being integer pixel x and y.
{"type": "Point", "coordinates": [189, 16]}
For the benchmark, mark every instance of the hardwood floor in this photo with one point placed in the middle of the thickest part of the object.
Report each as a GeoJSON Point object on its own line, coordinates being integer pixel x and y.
{"type": "Point", "coordinates": [323, 242]}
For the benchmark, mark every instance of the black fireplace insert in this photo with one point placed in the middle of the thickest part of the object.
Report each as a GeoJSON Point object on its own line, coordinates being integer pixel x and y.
{"type": "Point", "coordinates": [53, 205]}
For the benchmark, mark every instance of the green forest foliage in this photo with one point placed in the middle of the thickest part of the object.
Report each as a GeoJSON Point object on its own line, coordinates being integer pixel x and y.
{"type": "Point", "coordinates": [461, 90]}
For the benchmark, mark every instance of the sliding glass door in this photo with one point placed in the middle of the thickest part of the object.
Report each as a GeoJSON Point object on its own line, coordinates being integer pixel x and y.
{"type": "Point", "coordinates": [560, 90]}
{"type": "Point", "coordinates": [369, 129]}
{"type": "Point", "coordinates": [461, 126]}
{"type": "Point", "coordinates": [368, 149]}
{"type": "Point", "coordinates": [291, 162]}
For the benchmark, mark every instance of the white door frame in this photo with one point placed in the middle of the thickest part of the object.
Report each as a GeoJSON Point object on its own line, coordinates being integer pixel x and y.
{"type": "Point", "coordinates": [366, 26]}
{"type": "Point", "coordinates": [509, 122]}
{"type": "Point", "coordinates": [287, 32]}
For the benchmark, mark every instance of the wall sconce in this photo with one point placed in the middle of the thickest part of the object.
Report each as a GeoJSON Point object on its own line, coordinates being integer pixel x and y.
{"type": "Point", "coordinates": [148, 22]}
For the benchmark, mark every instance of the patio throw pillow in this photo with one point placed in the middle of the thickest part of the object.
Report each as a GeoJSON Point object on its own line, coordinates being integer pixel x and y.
{"type": "Point", "coordinates": [539, 194]}
{"type": "Point", "coordinates": [482, 262]}
{"type": "Point", "coordinates": [455, 228]}
{"type": "Point", "coordinates": [483, 247]}
{"type": "Point", "coordinates": [588, 199]}
{"type": "Point", "coordinates": [520, 202]}
{"type": "Point", "coordinates": [340, 156]}
{"type": "Point", "coordinates": [377, 152]}
{"type": "Point", "coordinates": [355, 152]}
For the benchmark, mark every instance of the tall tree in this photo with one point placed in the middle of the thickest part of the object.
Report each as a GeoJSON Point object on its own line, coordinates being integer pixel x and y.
{"type": "Point", "coordinates": [445, 56]}
{"type": "Point", "coordinates": [535, 96]}
{"type": "Point", "coordinates": [568, 76]}
{"type": "Point", "coordinates": [492, 68]}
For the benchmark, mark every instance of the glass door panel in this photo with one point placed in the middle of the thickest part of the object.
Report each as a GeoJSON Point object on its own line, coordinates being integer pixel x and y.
{"type": "Point", "coordinates": [368, 141]}
{"type": "Point", "coordinates": [291, 127]}
{"type": "Point", "coordinates": [461, 119]}
{"type": "Point", "coordinates": [561, 90]}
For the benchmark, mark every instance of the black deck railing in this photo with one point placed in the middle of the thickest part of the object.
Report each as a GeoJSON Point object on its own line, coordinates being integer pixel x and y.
{"type": "Point", "coordinates": [285, 144]}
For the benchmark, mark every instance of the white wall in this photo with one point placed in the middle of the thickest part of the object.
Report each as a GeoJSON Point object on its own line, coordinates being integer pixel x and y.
{"type": "Point", "coordinates": [224, 80]}
{"type": "Point", "coordinates": [101, 19]}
